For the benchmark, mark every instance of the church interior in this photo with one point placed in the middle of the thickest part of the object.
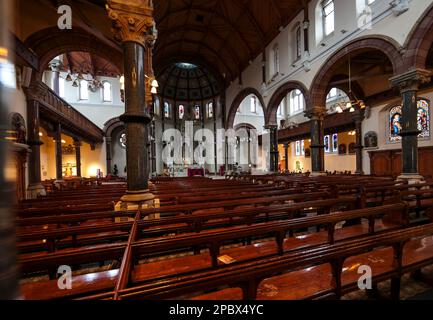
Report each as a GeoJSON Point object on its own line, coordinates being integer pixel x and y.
{"type": "Point", "coordinates": [216, 150]}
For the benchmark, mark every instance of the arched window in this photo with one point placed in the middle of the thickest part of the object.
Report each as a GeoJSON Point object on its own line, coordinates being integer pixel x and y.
{"type": "Point", "coordinates": [107, 95]}
{"type": "Point", "coordinates": [280, 109]}
{"type": "Point", "coordinates": [328, 17]}
{"type": "Point", "coordinates": [395, 121]}
{"type": "Point", "coordinates": [84, 90]}
{"type": "Point", "coordinates": [167, 112]}
{"type": "Point", "coordinates": [253, 105]}
{"type": "Point", "coordinates": [296, 102]}
{"type": "Point", "coordinates": [210, 110]}
{"type": "Point", "coordinates": [181, 111]}
{"type": "Point", "coordinates": [197, 112]}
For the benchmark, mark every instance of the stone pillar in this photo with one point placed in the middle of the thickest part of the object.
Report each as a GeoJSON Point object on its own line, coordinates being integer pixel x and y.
{"type": "Point", "coordinates": [133, 25]}
{"type": "Point", "coordinates": [274, 154]}
{"type": "Point", "coordinates": [358, 117]}
{"type": "Point", "coordinates": [55, 76]}
{"type": "Point", "coordinates": [286, 155]}
{"type": "Point", "coordinates": [409, 83]}
{"type": "Point", "coordinates": [77, 145]}
{"type": "Point", "coordinates": [317, 115]}
{"type": "Point", "coordinates": [59, 156]}
{"type": "Point", "coordinates": [35, 187]}
{"type": "Point", "coordinates": [9, 273]}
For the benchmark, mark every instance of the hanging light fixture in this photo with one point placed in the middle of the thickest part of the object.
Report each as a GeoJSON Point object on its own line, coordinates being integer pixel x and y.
{"type": "Point", "coordinates": [68, 78]}
{"type": "Point", "coordinates": [75, 84]}
{"type": "Point", "coordinates": [154, 83]}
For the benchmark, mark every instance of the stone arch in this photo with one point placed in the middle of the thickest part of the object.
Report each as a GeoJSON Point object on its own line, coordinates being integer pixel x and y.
{"type": "Point", "coordinates": [109, 127]}
{"type": "Point", "coordinates": [420, 41]}
{"type": "Point", "coordinates": [237, 102]}
{"type": "Point", "coordinates": [277, 97]}
{"type": "Point", "coordinates": [112, 125]}
{"type": "Point", "coordinates": [51, 42]}
{"type": "Point", "coordinates": [384, 44]}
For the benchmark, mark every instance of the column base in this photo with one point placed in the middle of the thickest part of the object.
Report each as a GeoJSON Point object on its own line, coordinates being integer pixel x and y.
{"type": "Point", "coordinates": [137, 200]}
{"type": "Point", "coordinates": [411, 178]}
{"type": "Point", "coordinates": [36, 190]}
{"type": "Point", "coordinates": [317, 174]}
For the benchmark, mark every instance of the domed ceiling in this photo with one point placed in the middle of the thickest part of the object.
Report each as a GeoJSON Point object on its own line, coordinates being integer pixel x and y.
{"type": "Point", "coordinates": [187, 82]}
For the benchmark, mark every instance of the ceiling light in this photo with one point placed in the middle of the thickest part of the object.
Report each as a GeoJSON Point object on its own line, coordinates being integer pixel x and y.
{"type": "Point", "coordinates": [41, 134]}
{"type": "Point", "coordinates": [339, 109]}
{"type": "Point", "coordinates": [63, 141]}
{"type": "Point", "coordinates": [348, 105]}
{"type": "Point", "coordinates": [352, 109]}
{"type": "Point", "coordinates": [153, 90]}
{"type": "Point", "coordinates": [155, 83]}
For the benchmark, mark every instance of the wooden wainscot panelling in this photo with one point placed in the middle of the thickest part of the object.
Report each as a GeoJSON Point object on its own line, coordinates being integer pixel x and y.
{"type": "Point", "coordinates": [389, 162]}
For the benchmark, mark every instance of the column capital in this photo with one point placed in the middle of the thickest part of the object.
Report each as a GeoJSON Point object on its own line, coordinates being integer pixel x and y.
{"type": "Point", "coordinates": [411, 80]}
{"type": "Point", "coordinates": [316, 113]}
{"type": "Point", "coordinates": [55, 65]}
{"type": "Point", "coordinates": [132, 20]}
{"type": "Point", "coordinates": [271, 127]}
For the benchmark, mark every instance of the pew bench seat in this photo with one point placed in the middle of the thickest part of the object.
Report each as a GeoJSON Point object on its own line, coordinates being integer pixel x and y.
{"type": "Point", "coordinates": [175, 265]}
{"type": "Point", "coordinates": [316, 282]}
{"type": "Point", "coordinates": [81, 284]}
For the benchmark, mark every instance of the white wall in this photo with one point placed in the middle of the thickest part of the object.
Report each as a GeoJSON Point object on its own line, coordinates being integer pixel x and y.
{"type": "Point", "coordinates": [385, 23]}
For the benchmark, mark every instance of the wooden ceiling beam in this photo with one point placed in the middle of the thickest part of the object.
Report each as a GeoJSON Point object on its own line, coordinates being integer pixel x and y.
{"type": "Point", "coordinates": [233, 53]}
{"type": "Point", "coordinates": [231, 26]}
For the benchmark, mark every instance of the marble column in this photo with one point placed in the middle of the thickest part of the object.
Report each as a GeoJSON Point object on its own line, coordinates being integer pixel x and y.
{"type": "Point", "coordinates": [286, 155]}
{"type": "Point", "coordinates": [358, 117]}
{"type": "Point", "coordinates": [133, 25]}
{"type": "Point", "coordinates": [59, 156]}
{"type": "Point", "coordinates": [108, 154]}
{"type": "Point", "coordinates": [409, 84]}
{"type": "Point", "coordinates": [317, 116]}
{"type": "Point", "coordinates": [77, 145]}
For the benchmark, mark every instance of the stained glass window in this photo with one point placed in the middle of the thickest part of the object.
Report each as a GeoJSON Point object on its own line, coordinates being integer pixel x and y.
{"type": "Point", "coordinates": [335, 142]}
{"type": "Point", "coordinates": [166, 110]}
{"type": "Point", "coordinates": [210, 110]}
{"type": "Point", "coordinates": [122, 140]}
{"type": "Point", "coordinates": [197, 112]}
{"type": "Point", "coordinates": [327, 144]}
{"type": "Point", "coordinates": [395, 121]}
{"type": "Point", "coordinates": [423, 118]}
{"type": "Point", "coordinates": [181, 112]}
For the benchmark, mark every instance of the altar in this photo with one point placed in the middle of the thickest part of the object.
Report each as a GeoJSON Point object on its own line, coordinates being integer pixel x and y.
{"type": "Point", "coordinates": [192, 172]}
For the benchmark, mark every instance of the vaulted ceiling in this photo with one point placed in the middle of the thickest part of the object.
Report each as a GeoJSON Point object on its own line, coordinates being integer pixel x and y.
{"type": "Point", "coordinates": [221, 35]}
